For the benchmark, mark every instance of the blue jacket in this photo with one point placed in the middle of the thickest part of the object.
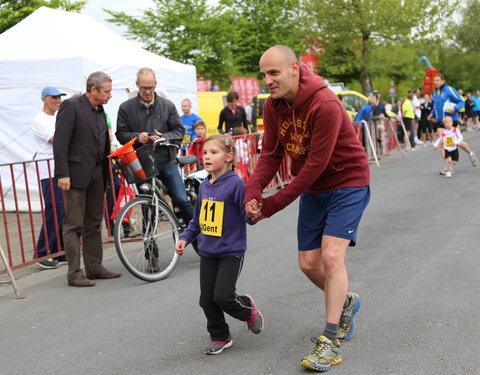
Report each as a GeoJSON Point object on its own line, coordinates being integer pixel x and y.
{"type": "Point", "coordinates": [365, 113]}
{"type": "Point", "coordinates": [443, 95]}
{"type": "Point", "coordinates": [476, 100]}
{"type": "Point", "coordinates": [219, 237]}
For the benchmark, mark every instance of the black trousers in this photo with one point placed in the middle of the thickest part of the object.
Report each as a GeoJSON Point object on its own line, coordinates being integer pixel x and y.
{"type": "Point", "coordinates": [218, 278]}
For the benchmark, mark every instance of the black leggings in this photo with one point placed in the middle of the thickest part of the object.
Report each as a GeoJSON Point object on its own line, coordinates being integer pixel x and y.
{"type": "Point", "coordinates": [218, 278]}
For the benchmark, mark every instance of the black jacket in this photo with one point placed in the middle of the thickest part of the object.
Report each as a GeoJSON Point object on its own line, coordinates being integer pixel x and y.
{"type": "Point", "coordinates": [232, 120]}
{"type": "Point", "coordinates": [76, 142]}
{"type": "Point", "coordinates": [133, 119]}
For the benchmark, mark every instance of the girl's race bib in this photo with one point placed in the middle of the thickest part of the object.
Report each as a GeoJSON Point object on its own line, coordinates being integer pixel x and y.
{"type": "Point", "coordinates": [211, 218]}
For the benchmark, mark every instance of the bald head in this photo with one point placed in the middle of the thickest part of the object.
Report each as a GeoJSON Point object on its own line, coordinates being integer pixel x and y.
{"type": "Point", "coordinates": [281, 53]}
{"type": "Point", "coordinates": [280, 71]}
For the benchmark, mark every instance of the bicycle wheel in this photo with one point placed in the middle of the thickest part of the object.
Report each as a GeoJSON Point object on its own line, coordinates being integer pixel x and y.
{"type": "Point", "coordinates": [145, 237]}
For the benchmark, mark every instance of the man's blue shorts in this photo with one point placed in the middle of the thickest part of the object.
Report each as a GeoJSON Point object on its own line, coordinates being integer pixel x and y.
{"type": "Point", "coordinates": [335, 213]}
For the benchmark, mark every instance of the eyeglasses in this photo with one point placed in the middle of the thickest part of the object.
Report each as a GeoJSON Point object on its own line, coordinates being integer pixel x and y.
{"type": "Point", "coordinates": [148, 88]}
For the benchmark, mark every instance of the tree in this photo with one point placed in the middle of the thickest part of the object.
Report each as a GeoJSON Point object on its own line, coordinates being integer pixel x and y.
{"type": "Point", "coordinates": [467, 32]}
{"type": "Point", "coordinates": [188, 31]}
{"type": "Point", "coordinates": [356, 27]}
{"type": "Point", "coordinates": [259, 25]}
{"type": "Point", "coordinates": [13, 11]}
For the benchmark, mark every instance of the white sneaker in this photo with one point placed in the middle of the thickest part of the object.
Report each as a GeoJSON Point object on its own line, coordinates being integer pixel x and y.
{"type": "Point", "coordinates": [443, 172]}
{"type": "Point", "coordinates": [448, 174]}
{"type": "Point", "coordinates": [473, 159]}
{"type": "Point", "coordinates": [418, 141]}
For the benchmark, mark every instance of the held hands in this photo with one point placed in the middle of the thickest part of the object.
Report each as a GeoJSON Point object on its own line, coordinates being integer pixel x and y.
{"type": "Point", "coordinates": [64, 183]}
{"type": "Point", "coordinates": [180, 246]}
{"type": "Point", "coordinates": [253, 210]}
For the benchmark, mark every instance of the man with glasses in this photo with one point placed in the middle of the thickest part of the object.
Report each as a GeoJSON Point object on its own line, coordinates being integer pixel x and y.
{"type": "Point", "coordinates": [149, 117]}
{"type": "Point", "coordinates": [80, 148]}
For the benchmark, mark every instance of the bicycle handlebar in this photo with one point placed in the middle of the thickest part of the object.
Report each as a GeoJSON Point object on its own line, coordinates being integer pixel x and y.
{"type": "Point", "coordinates": [168, 142]}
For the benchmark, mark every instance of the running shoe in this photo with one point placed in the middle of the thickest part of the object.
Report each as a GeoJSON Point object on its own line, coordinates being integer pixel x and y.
{"type": "Point", "coordinates": [448, 174]}
{"type": "Point", "coordinates": [346, 327]}
{"type": "Point", "coordinates": [216, 347]}
{"type": "Point", "coordinates": [443, 172]}
{"type": "Point", "coordinates": [255, 322]}
{"type": "Point", "coordinates": [473, 159]}
{"type": "Point", "coordinates": [325, 354]}
{"type": "Point", "coordinates": [49, 263]}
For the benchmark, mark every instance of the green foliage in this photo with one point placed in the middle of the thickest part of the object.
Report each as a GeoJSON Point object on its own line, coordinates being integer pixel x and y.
{"type": "Point", "coordinates": [467, 33]}
{"type": "Point", "coordinates": [459, 58]}
{"type": "Point", "coordinates": [259, 25]}
{"type": "Point", "coordinates": [353, 29]}
{"type": "Point", "coordinates": [219, 40]}
{"type": "Point", "coordinates": [188, 31]}
{"type": "Point", "coordinates": [13, 11]}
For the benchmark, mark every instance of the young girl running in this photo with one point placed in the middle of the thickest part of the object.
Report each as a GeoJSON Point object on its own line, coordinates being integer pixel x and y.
{"type": "Point", "coordinates": [450, 139]}
{"type": "Point", "coordinates": [219, 225]}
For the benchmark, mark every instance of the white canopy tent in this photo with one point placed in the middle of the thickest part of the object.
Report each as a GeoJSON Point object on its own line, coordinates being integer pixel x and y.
{"type": "Point", "coordinates": [56, 48]}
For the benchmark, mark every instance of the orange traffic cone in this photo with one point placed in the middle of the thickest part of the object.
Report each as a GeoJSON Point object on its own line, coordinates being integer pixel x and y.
{"type": "Point", "coordinates": [127, 155]}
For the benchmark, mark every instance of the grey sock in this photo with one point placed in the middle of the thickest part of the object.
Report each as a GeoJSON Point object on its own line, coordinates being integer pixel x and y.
{"type": "Point", "coordinates": [331, 331]}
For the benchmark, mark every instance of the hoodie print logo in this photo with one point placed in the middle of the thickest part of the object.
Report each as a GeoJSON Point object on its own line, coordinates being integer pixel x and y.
{"type": "Point", "coordinates": [296, 135]}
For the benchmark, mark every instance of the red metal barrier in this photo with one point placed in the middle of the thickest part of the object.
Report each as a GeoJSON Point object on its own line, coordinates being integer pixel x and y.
{"type": "Point", "coordinates": [383, 135]}
{"type": "Point", "coordinates": [23, 213]}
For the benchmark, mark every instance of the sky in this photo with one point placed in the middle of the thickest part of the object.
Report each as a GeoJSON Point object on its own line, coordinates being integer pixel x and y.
{"type": "Point", "coordinates": [130, 7]}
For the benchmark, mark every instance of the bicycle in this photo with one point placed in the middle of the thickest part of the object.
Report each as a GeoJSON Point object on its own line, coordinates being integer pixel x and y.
{"type": "Point", "coordinates": [146, 245]}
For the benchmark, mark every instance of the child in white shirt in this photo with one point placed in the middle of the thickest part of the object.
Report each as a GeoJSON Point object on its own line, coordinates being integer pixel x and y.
{"type": "Point", "coordinates": [450, 139]}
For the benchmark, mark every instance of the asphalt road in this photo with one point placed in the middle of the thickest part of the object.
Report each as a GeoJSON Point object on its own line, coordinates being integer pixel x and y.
{"type": "Point", "coordinates": [416, 267]}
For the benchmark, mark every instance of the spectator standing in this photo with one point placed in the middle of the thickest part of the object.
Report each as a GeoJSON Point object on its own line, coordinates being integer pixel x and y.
{"type": "Point", "coordinates": [476, 109]}
{"type": "Point", "coordinates": [426, 126]}
{"type": "Point", "coordinates": [408, 117]}
{"type": "Point", "coordinates": [418, 113]}
{"type": "Point", "coordinates": [43, 128]}
{"type": "Point", "coordinates": [148, 117]}
{"type": "Point", "coordinates": [81, 145]}
{"type": "Point", "coordinates": [232, 115]}
{"type": "Point", "coordinates": [469, 112]}
{"type": "Point", "coordinates": [188, 121]}
{"type": "Point", "coordinates": [196, 146]}
{"type": "Point", "coordinates": [461, 112]}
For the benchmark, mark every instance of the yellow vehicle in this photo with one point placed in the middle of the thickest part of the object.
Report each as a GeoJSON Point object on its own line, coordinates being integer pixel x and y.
{"type": "Point", "coordinates": [352, 101]}
{"type": "Point", "coordinates": [257, 112]}
{"type": "Point", "coordinates": [210, 104]}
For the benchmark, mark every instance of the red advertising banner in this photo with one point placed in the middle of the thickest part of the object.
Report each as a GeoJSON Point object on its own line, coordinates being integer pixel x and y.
{"type": "Point", "coordinates": [247, 88]}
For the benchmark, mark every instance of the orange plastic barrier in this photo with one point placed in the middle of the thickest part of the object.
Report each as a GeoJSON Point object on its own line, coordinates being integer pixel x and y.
{"type": "Point", "coordinates": [129, 158]}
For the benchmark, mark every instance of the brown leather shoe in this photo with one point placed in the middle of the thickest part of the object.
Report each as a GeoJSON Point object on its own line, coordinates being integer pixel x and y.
{"type": "Point", "coordinates": [81, 282]}
{"type": "Point", "coordinates": [106, 275]}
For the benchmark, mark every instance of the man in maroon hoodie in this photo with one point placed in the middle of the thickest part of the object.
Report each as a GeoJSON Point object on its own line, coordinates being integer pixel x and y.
{"type": "Point", "coordinates": [305, 120]}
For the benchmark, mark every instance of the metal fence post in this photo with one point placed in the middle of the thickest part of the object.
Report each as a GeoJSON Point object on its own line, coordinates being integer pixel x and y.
{"type": "Point", "coordinates": [10, 275]}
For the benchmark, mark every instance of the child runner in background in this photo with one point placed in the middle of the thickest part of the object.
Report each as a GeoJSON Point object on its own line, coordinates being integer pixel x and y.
{"type": "Point", "coordinates": [196, 146]}
{"type": "Point", "coordinates": [242, 157]}
{"type": "Point", "coordinates": [219, 225]}
{"type": "Point", "coordinates": [450, 139]}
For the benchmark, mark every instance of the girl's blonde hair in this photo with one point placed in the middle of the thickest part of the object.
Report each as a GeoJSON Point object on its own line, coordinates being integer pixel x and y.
{"type": "Point", "coordinates": [225, 141]}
